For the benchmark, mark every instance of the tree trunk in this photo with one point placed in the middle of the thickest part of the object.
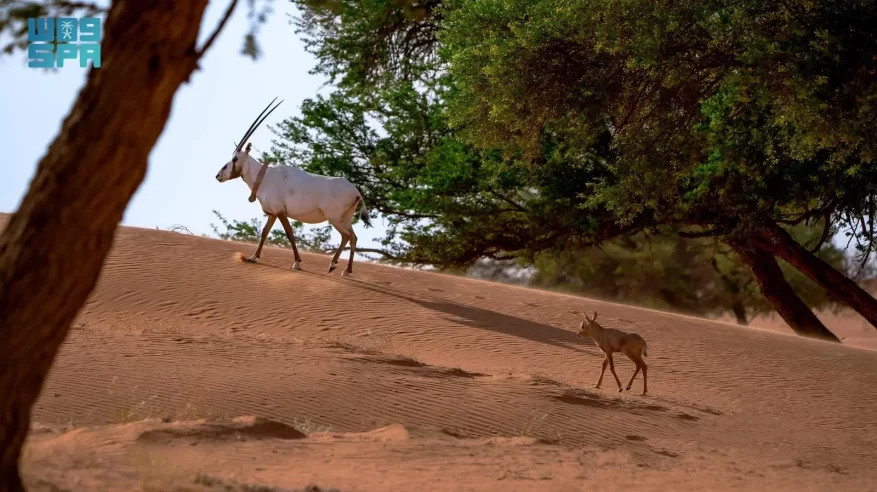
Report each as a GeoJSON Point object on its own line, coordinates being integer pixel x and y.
{"type": "Point", "coordinates": [780, 294]}
{"type": "Point", "coordinates": [778, 242]}
{"type": "Point", "coordinates": [53, 248]}
{"type": "Point", "coordinates": [737, 306]}
{"type": "Point", "coordinates": [739, 312]}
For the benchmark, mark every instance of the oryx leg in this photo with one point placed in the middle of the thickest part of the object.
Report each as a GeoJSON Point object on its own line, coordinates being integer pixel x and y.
{"type": "Point", "coordinates": [268, 225]}
{"type": "Point", "coordinates": [353, 238]}
{"type": "Point", "coordinates": [333, 264]}
{"type": "Point", "coordinates": [348, 225]}
{"type": "Point", "coordinates": [288, 228]}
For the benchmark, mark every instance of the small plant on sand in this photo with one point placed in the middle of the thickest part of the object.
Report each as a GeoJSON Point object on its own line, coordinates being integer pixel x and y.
{"type": "Point", "coordinates": [533, 423]}
{"type": "Point", "coordinates": [365, 342]}
{"type": "Point", "coordinates": [307, 426]}
{"type": "Point", "coordinates": [131, 406]}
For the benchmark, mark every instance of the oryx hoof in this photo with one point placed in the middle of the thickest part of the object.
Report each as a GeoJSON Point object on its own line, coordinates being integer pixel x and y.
{"type": "Point", "coordinates": [628, 388]}
{"type": "Point", "coordinates": [597, 385]}
{"type": "Point", "coordinates": [296, 266]}
{"type": "Point", "coordinates": [331, 268]}
{"type": "Point", "coordinates": [620, 389]}
{"type": "Point", "coordinates": [643, 393]}
{"type": "Point", "coordinates": [346, 273]}
{"type": "Point", "coordinates": [253, 259]}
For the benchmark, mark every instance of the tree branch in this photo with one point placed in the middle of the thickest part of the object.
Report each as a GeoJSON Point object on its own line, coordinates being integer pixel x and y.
{"type": "Point", "coordinates": [700, 234]}
{"type": "Point", "coordinates": [386, 254]}
{"type": "Point", "coordinates": [219, 28]}
{"type": "Point", "coordinates": [826, 231]}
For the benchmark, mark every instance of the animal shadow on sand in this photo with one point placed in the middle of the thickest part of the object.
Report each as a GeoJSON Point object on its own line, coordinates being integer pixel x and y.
{"type": "Point", "coordinates": [484, 319]}
{"type": "Point", "coordinates": [587, 398]}
{"type": "Point", "coordinates": [418, 367]}
{"type": "Point", "coordinates": [475, 317]}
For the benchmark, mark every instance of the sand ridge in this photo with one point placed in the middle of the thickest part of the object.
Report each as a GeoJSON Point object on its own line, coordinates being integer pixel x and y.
{"type": "Point", "coordinates": [178, 330]}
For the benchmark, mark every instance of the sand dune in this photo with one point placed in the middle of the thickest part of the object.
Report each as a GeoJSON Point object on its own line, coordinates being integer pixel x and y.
{"type": "Point", "coordinates": [471, 385]}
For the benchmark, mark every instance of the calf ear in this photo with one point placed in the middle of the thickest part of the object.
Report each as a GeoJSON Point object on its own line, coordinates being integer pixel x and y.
{"type": "Point", "coordinates": [595, 316]}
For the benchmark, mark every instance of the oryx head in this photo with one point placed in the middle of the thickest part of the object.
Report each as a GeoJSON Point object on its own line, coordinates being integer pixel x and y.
{"type": "Point", "coordinates": [234, 168]}
{"type": "Point", "coordinates": [586, 326]}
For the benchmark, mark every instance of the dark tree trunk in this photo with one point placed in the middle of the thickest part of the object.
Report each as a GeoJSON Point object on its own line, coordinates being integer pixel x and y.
{"type": "Point", "coordinates": [841, 288]}
{"type": "Point", "coordinates": [780, 294]}
{"type": "Point", "coordinates": [54, 246]}
{"type": "Point", "coordinates": [739, 312]}
{"type": "Point", "coordinates": [737, 306]}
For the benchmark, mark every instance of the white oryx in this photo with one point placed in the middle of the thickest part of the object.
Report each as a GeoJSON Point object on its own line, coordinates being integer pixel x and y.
{"type": "Point", "coordinates": [290, 192]}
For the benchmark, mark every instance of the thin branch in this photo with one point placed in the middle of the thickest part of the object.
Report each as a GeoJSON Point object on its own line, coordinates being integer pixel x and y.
{"type": "Point", "coordinates": [700, 234]}
{"type": "Point", "coordinates": [826, 231]}
{"type": "Point", "coordinates": [181, 229]}
{"type": "Point", "coordinates": [218, 29]}
{"type": "Point", "coordinates": [387, 254]}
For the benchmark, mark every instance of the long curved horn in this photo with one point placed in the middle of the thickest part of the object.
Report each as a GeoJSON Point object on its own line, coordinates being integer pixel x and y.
{"type": "Point", "coordinates": [258, 121]}
{"type": "Point", "coordinates": [249, 131]}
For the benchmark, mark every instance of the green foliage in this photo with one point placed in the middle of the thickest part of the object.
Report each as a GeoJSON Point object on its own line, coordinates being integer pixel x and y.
{"type": "Point", "coordinates": [446, 202]}
{"type": "Point", "coordinates": [561, 124]}
{"type": "Point", "coordinates": [724, 114]}
{"type": "Point", "coordinates": [370, 42]}
{"type": "Point", "coordinates": [386, 129]}
{"type": "Point", "coordinates": [316, 240]}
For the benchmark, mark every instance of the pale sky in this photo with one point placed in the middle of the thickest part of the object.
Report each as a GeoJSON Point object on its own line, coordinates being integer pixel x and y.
{"type": "Point", "coordinates": [209, 113]}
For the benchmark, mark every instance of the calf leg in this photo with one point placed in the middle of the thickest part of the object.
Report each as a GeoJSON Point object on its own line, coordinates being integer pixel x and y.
{"type": "Point", "coordinates": [268, 225]}
{"type": "Point", "coordinates": [288, 228]}
{"type": "Point", "coordinates": [635, 372]}
{"type": "Point", "coordinates": [602, 371]}
{"type": "Point", "coordinates": [645, 378]}
{"type": "Point", "coordinates": [612, 368]}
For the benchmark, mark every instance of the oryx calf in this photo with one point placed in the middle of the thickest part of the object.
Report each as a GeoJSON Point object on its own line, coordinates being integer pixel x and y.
{"type": "Point", "coordinates": [610, 341]}
{"type": "Point", "coordinates": [289, 192]}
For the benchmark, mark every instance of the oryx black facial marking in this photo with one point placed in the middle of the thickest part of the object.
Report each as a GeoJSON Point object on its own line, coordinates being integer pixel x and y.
{"type": "Point", "coordinates": [236, 169]}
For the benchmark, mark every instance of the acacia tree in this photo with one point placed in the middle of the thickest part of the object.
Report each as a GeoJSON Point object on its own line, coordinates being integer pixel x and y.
{"type": "Point", "coordinates": [53, 248]}
{"type": "Point", "coordinates": [735, 118]}
{"type": "Point", "coordinates": [550, 110]}
{"type": "Point", "coordinates": [525, 186]}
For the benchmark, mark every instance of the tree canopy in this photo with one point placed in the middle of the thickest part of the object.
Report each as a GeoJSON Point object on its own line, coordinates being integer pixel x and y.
{"type": "Point", "coordinates": [563, 124]}
{"type": "Point", "coordinates": [722, 114]}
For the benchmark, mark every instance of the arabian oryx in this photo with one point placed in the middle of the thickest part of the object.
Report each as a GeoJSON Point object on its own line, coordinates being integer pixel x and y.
{"type": "Point", "coordinates": [610, 341]}
{"type": "Point", "coordinates": [286, 192]}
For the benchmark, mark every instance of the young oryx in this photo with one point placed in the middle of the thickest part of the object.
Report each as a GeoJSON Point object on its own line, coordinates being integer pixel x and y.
{"type": "Point", "coordinates": [611, 341]}
{"type": "Point", "coordinates": [289, 192]}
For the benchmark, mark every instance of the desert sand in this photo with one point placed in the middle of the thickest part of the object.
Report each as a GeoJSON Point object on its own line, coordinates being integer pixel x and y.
{"type": "Point", "coordinates": [190, 370]}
